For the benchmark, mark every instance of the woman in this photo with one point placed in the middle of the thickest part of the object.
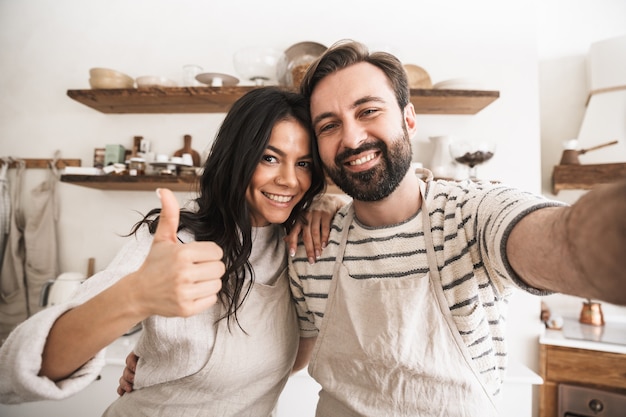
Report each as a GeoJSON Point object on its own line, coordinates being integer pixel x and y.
{"type": "Point", "coordinates": [204, 338]}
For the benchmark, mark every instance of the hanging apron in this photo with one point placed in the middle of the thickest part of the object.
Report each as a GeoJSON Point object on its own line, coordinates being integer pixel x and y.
{"type": "Point", "coordinates": [40, 237]}
{"type": "Point", "coordinates": [5, 206]}
{"type": "Point", "coordinates": [13, 305]}
{"type": "Point", "coordinates": [389, 347]}
{"type": "Point", "coordinates": [244, 375]}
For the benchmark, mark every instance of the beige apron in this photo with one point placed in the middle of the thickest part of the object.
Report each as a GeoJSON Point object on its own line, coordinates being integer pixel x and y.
{"type": "Point", "coordinates": [389, 347]}
{"type": "Point", "coordinates": [13, 303]}
{"type": "Point", "coordinates": [245, 373]}
{"type": "Point", "coordinates": [40, 237]}
{"type": "Point", "coordinates": [31, 253]}
{"type": "Point", "coordinates": [5, 206]}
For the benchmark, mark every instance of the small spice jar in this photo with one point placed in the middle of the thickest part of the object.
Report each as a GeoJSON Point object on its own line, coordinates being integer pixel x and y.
{"type": "Point", "coordinates": [137, 166]}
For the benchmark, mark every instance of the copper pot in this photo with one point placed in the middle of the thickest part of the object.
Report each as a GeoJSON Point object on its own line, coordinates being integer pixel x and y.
{"type": "Point", "coordinates": [591, 314]}
{"type": "Point", "coordinates": [570, 156]}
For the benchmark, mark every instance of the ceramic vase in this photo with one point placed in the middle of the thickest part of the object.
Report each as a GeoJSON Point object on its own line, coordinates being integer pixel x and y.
{"type": "Point", "coordinates": [441, 164]}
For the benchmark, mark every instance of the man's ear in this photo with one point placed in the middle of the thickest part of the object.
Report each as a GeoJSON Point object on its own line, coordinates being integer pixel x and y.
{"type": "Point", "coordinates": [409, 119]}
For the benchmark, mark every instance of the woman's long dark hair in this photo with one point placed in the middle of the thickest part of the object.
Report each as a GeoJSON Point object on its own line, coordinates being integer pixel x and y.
{"type": "Point", "coordinates": [222, 213]}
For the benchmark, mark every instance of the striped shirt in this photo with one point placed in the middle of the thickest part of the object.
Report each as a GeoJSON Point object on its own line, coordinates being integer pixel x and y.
{"type": "Point", "coordinates": [470, 224]}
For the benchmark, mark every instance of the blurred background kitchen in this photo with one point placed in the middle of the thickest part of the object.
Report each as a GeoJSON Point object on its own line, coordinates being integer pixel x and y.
{"type": "Point", "coordinates": [534, 53]}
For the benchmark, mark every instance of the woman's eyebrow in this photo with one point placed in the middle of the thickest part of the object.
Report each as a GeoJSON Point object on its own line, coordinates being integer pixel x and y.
{"type": "Point", "coordinates": [281, 153]}
{"type": "Point", "coordinates": [275, 149]}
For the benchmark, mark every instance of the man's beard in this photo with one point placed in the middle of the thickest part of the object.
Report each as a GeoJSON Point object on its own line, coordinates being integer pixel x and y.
{"type": "Point", "coordinates": [380, 181]}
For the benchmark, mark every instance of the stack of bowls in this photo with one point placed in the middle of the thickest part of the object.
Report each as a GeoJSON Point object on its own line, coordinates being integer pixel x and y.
{"type": "Point", "coordinates": [102, 78]}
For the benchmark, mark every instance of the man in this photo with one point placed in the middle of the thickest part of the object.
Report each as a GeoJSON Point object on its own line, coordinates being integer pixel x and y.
{"type": "Point", "coordinates": [405, 308]}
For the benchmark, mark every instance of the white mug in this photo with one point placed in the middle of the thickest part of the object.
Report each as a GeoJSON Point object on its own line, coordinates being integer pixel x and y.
{"type": "Point", "coordinates": [187, 159]}
{"type": "Point", "coordinates": [59, 290]}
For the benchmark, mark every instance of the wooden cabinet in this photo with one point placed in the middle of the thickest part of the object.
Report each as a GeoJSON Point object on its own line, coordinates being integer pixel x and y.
{"type": "Point", "coordinates": [582, 367]}
{"type": "Point", "coordinates": [219, 100]}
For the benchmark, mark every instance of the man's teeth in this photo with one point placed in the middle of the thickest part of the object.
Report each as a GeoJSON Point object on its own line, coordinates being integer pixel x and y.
{"type": "Point", "coordinates": [279, 198]}
{"type": "Point", "coordinates": [363, 160]}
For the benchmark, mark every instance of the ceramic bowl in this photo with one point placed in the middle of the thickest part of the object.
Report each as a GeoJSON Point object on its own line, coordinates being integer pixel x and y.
{"type": "Point", "coordinates": [107, 72]}
{"type": "Point", "coordinates": [109, 78]}
{"type": "Point", "coordinates": [110, 82]}
{"type": "Point", "coordinates": [147, 81]}
{"type": "Point", "coordinates": [418, 77]}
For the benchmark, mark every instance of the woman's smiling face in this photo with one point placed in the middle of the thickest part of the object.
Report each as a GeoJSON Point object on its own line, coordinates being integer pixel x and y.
{"type": "Point", "coordinates": [282, 176]}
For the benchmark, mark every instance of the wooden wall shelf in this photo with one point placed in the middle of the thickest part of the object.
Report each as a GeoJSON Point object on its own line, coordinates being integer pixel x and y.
{"type": "Point", "coordinates": [585, 176]}
{"type": "Point", "coordinates": [435, 101]}
{"type": "Point", "coordinates": [220, 99]}
{"type": "Point", "coordinates": [132, 183]}
{"type": "Point", "coordinates": [43, 163]}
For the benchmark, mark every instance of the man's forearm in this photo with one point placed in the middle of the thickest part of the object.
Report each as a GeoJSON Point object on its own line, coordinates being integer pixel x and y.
{"type": "Point", "coordinates": [597, 232]}
{"type": "Point", "coordinates": [578, 250]}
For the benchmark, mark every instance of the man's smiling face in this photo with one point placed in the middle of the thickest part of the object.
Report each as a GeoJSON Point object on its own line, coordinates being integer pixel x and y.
{"type": "Point", "coordinates": [362, 138]}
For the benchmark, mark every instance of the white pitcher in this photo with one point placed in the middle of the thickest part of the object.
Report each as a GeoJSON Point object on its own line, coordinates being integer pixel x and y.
{"type": "Point", "coordinates": [59, 290]}
{"type": "Point", "coordinates": [441, 164]}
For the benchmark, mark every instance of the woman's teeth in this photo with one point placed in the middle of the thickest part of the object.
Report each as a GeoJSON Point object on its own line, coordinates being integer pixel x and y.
{"type": "Point", "coordinates": [278, 198]}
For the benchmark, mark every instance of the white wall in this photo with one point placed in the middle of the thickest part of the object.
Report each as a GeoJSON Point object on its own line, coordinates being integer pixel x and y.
{"type": "Point", "coordinates": [48, 47]}
{"type": "Point", "coordinates": [565, 31]}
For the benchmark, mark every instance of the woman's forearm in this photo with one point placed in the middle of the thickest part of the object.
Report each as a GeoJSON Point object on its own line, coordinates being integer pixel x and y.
{"type": "Point", "coordinates": [80, 333]}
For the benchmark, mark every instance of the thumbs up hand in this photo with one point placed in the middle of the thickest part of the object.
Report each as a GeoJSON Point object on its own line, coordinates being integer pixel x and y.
{"type": "Point", "coordinates": [177, 279]}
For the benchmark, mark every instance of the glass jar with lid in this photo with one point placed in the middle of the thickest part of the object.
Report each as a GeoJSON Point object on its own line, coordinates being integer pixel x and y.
{"type": "Point", "coordinates": [137, 166]}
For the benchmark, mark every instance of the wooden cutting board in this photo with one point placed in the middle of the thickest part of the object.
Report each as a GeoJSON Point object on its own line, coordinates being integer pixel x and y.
{"type": "Point", "coordinates": [195, 156]}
